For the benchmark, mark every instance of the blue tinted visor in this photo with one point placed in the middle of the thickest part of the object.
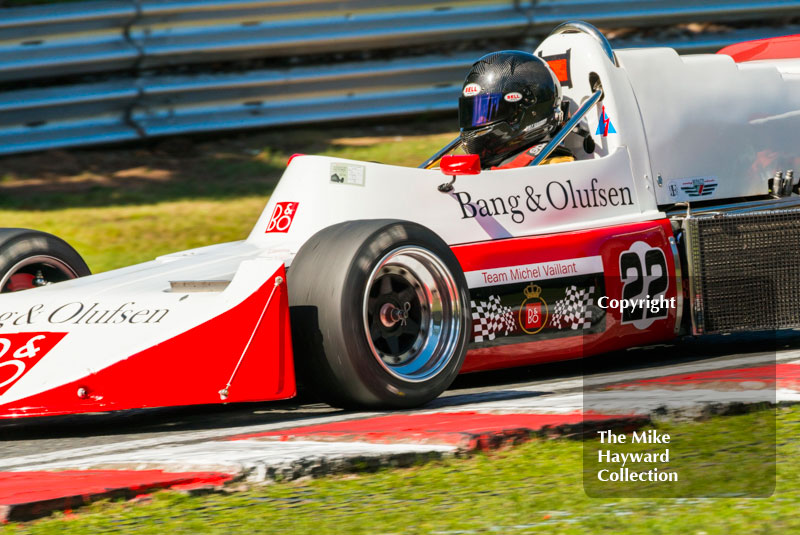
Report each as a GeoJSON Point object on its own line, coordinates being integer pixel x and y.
{"type": "Point", "coordinates": [483, 109]}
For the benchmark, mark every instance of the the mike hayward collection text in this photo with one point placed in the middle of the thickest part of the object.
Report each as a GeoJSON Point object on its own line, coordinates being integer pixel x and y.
{"type": "Point", "coordinates": [621, 472]}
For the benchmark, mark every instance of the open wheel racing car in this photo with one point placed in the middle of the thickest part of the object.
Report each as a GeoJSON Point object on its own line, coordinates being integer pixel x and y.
{"type": "Point", "coordinates": [378, 284]}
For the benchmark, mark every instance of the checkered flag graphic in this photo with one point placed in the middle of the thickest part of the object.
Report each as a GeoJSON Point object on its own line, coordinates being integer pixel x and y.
{"type": "Point", "coordinates": [490, 318]}
{"type": "Point", "coordinates": [573, 311]}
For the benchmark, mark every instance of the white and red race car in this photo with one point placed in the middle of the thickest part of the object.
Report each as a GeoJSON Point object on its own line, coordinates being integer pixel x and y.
{"type": "Point", "coordinates": [378, 284]}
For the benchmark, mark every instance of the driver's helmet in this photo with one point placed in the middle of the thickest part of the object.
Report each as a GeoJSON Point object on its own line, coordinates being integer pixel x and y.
{"type": "Point", "coordinates": [509, 101]}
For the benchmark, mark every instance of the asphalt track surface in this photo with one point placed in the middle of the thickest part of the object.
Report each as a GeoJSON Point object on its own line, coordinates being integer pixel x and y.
{"type": "Point", "coordinates": [32, 438]}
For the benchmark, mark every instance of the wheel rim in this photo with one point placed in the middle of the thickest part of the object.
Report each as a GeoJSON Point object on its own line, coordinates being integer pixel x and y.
{"type": "Point", "coordinates": [52, 270]}
{"type": "Point", "coordinates": [412, 314]}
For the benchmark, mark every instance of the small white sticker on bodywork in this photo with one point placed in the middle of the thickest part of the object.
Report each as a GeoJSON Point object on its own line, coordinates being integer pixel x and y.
{"type": "Point", "coordinates": [688, 189]}
{"type": "Point", "coordinates": [345, 173]}
{"type": "Point", "coordinates": [534, 272]}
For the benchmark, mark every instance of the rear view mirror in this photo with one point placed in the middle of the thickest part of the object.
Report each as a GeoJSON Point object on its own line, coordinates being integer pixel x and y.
{"type": "Point", "coordinates": [460, 164]}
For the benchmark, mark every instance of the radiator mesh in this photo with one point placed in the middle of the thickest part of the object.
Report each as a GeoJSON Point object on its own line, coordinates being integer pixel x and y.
{"type": "Point", "coordinates": [745, 270]}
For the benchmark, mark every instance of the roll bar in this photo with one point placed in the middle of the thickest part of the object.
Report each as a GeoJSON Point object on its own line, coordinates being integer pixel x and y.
{"type": "Point", "coordinates": [567, 128]}
{"type": "Point", "coordinates": [578, 26]}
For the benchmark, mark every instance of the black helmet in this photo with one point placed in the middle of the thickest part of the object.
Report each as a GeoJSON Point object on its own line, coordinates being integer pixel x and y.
{"type": "Point", "coordinates": [510, 100]}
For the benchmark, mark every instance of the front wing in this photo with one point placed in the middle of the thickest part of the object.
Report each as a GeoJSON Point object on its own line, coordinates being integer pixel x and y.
{"type": "Point", "coordinates": [62, 352]}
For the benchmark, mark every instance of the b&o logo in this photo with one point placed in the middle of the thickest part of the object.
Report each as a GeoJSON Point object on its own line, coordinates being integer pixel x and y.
{"type": "Point", "coordinates": [533, 311]}
{"type": "Point", "coordinates": [21, 352]}
{"type": "Point", "coordinates": [282, 217]}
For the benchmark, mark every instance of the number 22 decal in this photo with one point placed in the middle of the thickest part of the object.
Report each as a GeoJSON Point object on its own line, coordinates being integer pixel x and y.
{"type": "Point", "coordinates": [643, 270]}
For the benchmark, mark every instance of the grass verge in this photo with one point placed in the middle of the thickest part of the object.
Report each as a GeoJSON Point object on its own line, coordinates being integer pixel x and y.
{"type": "Point", "coordinates": [533, 488]}
{"type": "Point", "coordinates": [117, 236]}
{"type": "Point", "coordinates": [127, 205]}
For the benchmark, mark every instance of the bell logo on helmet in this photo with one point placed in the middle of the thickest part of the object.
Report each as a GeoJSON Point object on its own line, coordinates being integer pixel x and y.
{"type": "Point", "coordinates": [282, 217]}
{"type": "Point", "coordinates": [470, 90]}
{"type": "Point", "coordinates": [513, 97]}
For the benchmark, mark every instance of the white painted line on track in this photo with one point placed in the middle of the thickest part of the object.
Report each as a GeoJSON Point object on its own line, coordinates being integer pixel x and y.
{"type": "Point", "coordinates": [628, 401]}
{"type": "Point", "coordinates": [193, 436]}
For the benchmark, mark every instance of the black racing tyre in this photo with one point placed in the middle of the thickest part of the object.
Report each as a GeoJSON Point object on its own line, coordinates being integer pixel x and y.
{"type": "Point", "coordinates": [380, 314]}
{"type": "Point", "coordinates": [30, 258]}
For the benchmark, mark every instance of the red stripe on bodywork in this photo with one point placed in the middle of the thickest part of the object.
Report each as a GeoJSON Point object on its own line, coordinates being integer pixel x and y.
{"type": "Point", "coordinates": [25, 495]}
{"type": "Point", "coordinates": [607, 242]}
{"type": "Point", "coordinates": [787, 47]}
{"type": "Point", "coordinates": [551, 247]}
{"type": "Point", "coordinates": [190, 368]}
{"type": "Point", "coordinates": [472, 430]}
